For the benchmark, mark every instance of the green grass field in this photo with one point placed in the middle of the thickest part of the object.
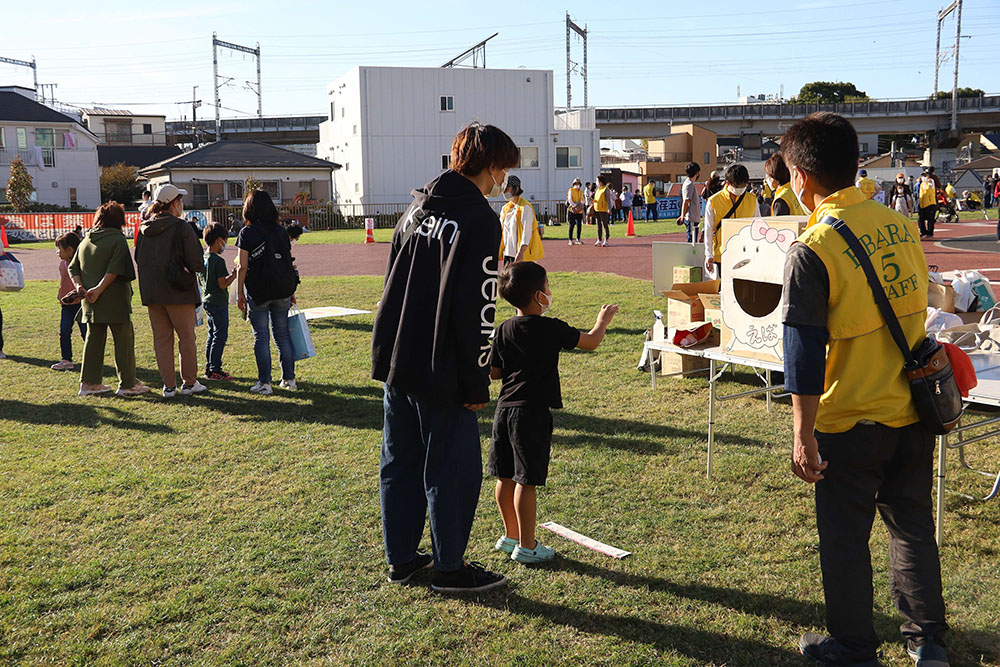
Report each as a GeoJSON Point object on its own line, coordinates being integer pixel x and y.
{"type": "Point", "coordinates": [230, 529]}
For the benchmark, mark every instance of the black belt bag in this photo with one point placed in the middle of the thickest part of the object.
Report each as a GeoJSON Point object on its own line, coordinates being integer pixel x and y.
{"type": "Point", "coordinates": [936, 396]}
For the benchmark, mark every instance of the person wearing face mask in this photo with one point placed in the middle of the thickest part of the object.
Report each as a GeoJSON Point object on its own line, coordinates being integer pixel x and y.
{"type": "Point", "coordinates": [525, 355]}
{"type": "Point", "coordinates": [777, 177]}
{"type": "Point", "coordinates": [430, 349]}
{"type": "Point", "coordinates": [690, 203]}
{"type": "Point", "coordinates": [867, 186]}
{"type": "Point", "coordinates": [857, 435]}
{"type": "Point", "coordinates": [520, 239]}
{"type": "Point", "coordinates": [576, 204]}
{"type": "Point", "coordinates": [901, 196]}
{"type": "Point", "coordinates": [927, 200]}
{"type": "Point", "coordinates": [602, 210]}
{"type": "Point", "coordinates": [733, 201]}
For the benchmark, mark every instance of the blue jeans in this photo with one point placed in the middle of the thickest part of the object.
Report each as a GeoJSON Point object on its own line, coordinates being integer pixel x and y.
{"type": "Point", "coordinates": [692, 230]}
{"type": "Point", "coordinates": [431, 460]}
{"type": "Point", "coordinates": [66, 321]}
{"type": "Point", "coordinates": [276, 312]}
{"type": "Point", "coordinates": [218, 334]}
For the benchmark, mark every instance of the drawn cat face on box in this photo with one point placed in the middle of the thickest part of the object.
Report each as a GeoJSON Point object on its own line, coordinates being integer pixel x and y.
{"type": "Point", "coordinates": [753, 260]}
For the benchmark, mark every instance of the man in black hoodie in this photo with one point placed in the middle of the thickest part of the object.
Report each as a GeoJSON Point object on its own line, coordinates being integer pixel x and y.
{"type": "Point", "coordinates": [430, 348]}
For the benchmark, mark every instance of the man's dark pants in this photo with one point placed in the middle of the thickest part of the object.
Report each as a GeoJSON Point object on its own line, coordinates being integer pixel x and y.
{"type": "Point", "coordinates": [874, 467]}
{"type": "Point", "coordinates": [651, 212]}
{"type": "Point", "coordinates": [431, 463]}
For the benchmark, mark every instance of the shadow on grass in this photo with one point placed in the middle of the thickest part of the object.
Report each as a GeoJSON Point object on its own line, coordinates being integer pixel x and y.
{"type": "Point", "coordinates": [77, 414]}
{"type": "Point", "coordinates": [640, 437]}
{"type": "Point", "coordinates": [317, 403]}
{"type": "Point", "coordinates": [107, 371]}
{"type": "Point", "coordinates": [337, 324]}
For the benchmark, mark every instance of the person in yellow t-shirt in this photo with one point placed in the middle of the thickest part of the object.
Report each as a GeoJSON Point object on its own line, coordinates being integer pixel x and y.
{"type": "Point", "coordinates": [602, 210]}
{"type": "Point", "coordinates": [649, 196]}
{"type": "Point", "coordinates": [733, 201]}
{"type": "Point", "coordinates": [776, 177]}
{"type": "Point", "coordinates": [927, 201]}
{"type": "Point", "coordinates": [857, 435]}
{"type": "Point", "coordinates": [867, 185]}
{"type": "Point", "coordinates": [575, 203]}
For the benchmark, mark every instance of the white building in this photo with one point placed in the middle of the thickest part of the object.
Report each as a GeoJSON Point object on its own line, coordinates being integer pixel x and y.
{"type": "Point", "coordinates": [59, 152]}
{"type": "Point", "coordinates": [391, 128]}
{"type": "Point", "coordinates": [121, 127]}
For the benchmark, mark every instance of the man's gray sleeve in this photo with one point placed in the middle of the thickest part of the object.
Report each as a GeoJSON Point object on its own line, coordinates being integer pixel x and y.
{"type": "Point", "coordinates": [806, 288]}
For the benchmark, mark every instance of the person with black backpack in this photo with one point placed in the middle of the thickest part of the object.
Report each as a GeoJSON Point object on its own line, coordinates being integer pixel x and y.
{"type": "Point", "coordinates": [266, 284]}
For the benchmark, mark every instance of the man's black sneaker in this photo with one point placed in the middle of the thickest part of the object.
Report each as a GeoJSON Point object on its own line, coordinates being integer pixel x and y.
{"type": "Point", "coordinates": [828, 651]}
{"type": "Point", "coordinates": [927, 653]}
{"type": "Point", "coordinates": [470, 578]}
{"type": "Point", "coordinates": [400, 574]}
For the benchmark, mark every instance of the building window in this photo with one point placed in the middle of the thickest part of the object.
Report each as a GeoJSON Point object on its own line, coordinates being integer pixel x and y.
{"type": "Point", "coordinates": [447, 103]}
{"type": "Point", "coordinates": [72, 196]}
{"type": "Point", "coordinates": [22, 138]}
{"type": "Point", "coordinates": [341, 112]}
{"type": "Point", "coordinates": [3, 195]}
{"type": "Point", "coordinates": [234, 190]}
{"type": "Point", "coordinates": [347, 166]}
{"type": "Point", "coordinates": [569, 157]}
{"type": "Point", "coordinates": [332, 112]}
{"type": "Point", "coordinates": [357, 187]}
{"type": "Point", "coordinates": [306, 188]}
{"type": "Point", "coordinates": [355, 129]}
{"type": "Point", "coordinates": [708, 159]}
{"type": "Point", "coordinates": [3, 141]}
{"type": "Point", "coordinates": [863, 148]}
{"type": "Point", "coordinates": [529, 157]}
{"type": "Point", "coordinates": [272, 188]}
{"type": "Point", "coordinates": [118, 132]}
{"type": "Point", "coordinates": [147, 128]}
{"type": "Point", "coordinates": [446, 161]}
{"type": "Point", "coordinates": [199, 193]}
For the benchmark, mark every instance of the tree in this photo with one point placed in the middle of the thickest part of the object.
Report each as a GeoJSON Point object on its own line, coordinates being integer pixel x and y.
{"type": "Point", "coordinates": [250, 184]}
{"type": "Point", "coordinates": [962, 92]}
{"type": "Point", "coordinates": [828, 92]}
{"type": "Point", "coordinates": [19, 187]}
{"type": "Point", "coordinates": [119, 182]}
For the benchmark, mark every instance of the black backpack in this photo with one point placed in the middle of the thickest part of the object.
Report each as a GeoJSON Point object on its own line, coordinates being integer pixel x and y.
{"type": "Point", "coordinates": [270, 274]}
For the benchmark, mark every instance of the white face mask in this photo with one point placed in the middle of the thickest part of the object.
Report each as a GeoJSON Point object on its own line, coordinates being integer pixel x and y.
{"type": "Point", "coordinates": [509, 196]}
{"type": "Point", "coordinates": [545, 306]}
{"type": "Point", "coordinates": [576, 186]}
{"type": "Point", "coordinates": [736, 192]}
{"type": "Point", "coordinates": [798, 195]}
{"type": "Point", "coordinates": [498, 188]}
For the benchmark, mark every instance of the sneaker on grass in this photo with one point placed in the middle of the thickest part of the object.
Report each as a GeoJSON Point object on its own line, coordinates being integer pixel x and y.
{"type": "Point", "coordinates": [195, 388]}
{"type": "Point", "coordinates": [262, 388]}
{"type": "Point", "coordinates": [401, 574]}
{"type": "Point", "coordinates": [928, 653]}
{"type": "Point", "coordinates": [505, 544]}
{"type": "Point", "coordinates": [138, 389]}
{"type": "Point", "coordinates": [218, 375]}
{"type": "Point", "coordinates": [288, 384]}
{"type": "Point", "coordinates": [539, 554]}
{"type": "Point", "coordinates": [64, 365]}
{"type": "Point", "coordinates": [169, 392]}
{"type": "Point", "coordinates": [93, 389]}
{"type": "Point", "coordinates": [828, 651]}
{"type": "Point", "coordinates": [472, 577]}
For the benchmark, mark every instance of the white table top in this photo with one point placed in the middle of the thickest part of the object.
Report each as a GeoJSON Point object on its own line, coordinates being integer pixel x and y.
{"type": "Point", "coordinates": [715, 353]}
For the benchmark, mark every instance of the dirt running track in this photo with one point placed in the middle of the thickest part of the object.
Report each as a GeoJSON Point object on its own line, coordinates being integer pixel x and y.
{"type": "Point", "coordinates": [963, 245]}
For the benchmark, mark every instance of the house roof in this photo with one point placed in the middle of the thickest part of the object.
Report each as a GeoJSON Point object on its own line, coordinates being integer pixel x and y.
{"type": "Point", "coordinates": [106, 112]}
{"type": "Point", "coordinates": [14, 106]}
{"type": "Point", "coordinates": [240, 154]}
{"type": "Point", "coordinates": [988, 162]}
{"type": "Point", "coordinates": [135, 156]}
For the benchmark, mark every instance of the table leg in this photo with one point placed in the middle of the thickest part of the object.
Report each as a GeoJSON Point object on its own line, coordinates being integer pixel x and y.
{"type": "Point", "coordinates": [942, 448]}
{"type": "Point", "coordinates": [767, 379]}
{"type": "Point", "coordinates": [652, 370]}
{"type": "Point", "coordinates": [711, 414]}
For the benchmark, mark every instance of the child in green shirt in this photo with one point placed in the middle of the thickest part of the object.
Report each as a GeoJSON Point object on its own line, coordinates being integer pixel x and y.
{"type": "Point", "coordinates": [216, 281]}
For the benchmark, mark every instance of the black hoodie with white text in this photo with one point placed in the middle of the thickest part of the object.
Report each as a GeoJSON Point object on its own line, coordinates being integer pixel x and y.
{"type": "Point", "coordinates": [432, 329]}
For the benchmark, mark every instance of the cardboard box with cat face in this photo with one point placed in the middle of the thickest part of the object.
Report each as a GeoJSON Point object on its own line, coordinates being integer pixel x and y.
{"type": "Point", "coordinates": [753, 262]}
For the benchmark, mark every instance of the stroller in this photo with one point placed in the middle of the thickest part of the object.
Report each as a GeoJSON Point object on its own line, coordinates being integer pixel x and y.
{"type": "Point", "coordinates": [946, 209]}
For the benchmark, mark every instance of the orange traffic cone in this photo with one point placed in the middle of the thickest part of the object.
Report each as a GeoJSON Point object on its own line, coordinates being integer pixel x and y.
{"type": "Point", "coordinates": [631, 225]}
{"type": "Point", "coordinates": [4, 243]}
{"type": "Point", "coordinates": [369, 230]}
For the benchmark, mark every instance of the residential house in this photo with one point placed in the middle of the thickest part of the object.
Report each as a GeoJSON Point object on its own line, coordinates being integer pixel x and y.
{"type": "Point", "coordinates": [666, 158]}
{"type": "Point", "coordinates": [59, 152]}
{"type": "Point", "coordinates": [215, 174]}
{"type": "Point", "coordinates": [128, 138]}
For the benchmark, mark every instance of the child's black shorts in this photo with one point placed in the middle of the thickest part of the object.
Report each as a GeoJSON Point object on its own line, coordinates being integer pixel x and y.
{"type": "Point", "coordinates": [522, 440]}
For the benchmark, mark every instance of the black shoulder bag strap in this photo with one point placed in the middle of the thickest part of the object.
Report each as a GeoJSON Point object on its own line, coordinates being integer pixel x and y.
{"type": "Point", "coordinates": [881, 300]}
{"type": "Point", "coordinates": [732, 211]}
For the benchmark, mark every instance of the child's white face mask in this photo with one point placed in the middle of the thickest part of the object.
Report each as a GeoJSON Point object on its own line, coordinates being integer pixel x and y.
{"type": "Point", "coordinates": [548, 301]}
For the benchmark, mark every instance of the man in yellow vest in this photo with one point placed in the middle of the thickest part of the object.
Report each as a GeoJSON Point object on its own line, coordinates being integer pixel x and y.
{"type": "Point", "coordinates": [519, 237]}
{"type": "Point", "coordinates": [857, 436]}
{"type": "Point", "coordinates": [732, 201]}
{"type": "Point", "coordinates": [928, 206]}
{"type": "Point", "coordinates": [776, 176]}
{"type": "Point", "coordinates": [602, 210]}
{"type": "Point", "coordinates": [867, 186]}
{"type": "Point", "coordinates": [649, 196]}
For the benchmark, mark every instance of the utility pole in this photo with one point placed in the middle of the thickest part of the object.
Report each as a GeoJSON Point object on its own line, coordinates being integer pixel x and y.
{"type": "Point", "coordinates": [215, 70]}
{"type": "Point", "coordinates": [215, 84]}
{"type": "Point", "coordinates": [25, 63]}
{"type": "Point", "coordinates": [954, 85]}
{"type": "Point", "coordinates": [195, 103]}
{"type": "Point", "coordinates": [572, 27]}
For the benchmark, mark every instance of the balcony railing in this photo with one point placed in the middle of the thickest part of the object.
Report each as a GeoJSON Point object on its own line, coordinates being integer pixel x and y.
{"type": "Point", "coordinates": [29, 156]}
{"type": "Point", "coordinates": [653, 156]}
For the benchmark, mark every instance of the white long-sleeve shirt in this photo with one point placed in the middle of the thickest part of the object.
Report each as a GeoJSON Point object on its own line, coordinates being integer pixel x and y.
{"type": "Point", "coordinates": [511, 243]}
{"type": "Point", "coordinates": [710, 227]}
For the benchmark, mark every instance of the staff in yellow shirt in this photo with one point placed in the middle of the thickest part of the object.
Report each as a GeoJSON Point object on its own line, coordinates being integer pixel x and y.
{"type": "Point", "coordinates": [867, 186]}
{"type": "Point", "coordinates": [733, 201]}
{"type": "Point", "coordinates": [649, 196]}
{"type": "Point", "coordinates": [927, 201]}
{"type": "Point", "coordinates": [602, 210]}
{"type": "Point", "coordinates": [520, 239]}
{"type": "Point", "coordinates": [776, 177]}
{"type": "Point", "coordinates": [856, 432]}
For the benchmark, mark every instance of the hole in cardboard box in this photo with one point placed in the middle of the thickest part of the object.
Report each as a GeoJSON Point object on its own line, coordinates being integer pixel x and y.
{"type": "Point", "coordinates": [756, 299]}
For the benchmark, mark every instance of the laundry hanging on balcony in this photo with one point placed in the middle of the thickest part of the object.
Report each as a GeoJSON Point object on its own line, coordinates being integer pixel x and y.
{"type": "Point", "coordinates": [37, 150]}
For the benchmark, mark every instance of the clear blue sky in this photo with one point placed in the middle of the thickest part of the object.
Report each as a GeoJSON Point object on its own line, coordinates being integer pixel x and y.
{"type": "Point", "coordinates": [119, 53]}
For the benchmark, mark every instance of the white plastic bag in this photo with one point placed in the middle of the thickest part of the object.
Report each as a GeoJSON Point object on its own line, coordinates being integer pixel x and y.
{"type": "Point", "coordinates": [11, 273]}
{"type": "Point", "coordinates": [938, 320]}
{"type": "Point", "coordinates": [971, 286]}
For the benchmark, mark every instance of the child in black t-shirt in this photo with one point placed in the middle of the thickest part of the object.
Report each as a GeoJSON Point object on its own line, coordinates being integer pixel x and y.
{"type": "Point", "coordinates": [526, 356]}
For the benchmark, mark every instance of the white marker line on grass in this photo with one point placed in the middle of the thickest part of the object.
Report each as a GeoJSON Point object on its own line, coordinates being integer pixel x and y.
{"type": "Point", "coordinates": [590, 543]}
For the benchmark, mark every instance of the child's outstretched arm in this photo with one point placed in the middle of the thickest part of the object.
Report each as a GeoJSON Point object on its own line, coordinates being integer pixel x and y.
{"type": "Point", "coordinates": [593, 338]}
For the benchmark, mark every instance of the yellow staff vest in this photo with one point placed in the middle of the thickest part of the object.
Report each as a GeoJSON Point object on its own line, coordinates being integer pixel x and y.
{"type": "Point", "coordinates": [784, 193]}
{"type": "Point", "coordinates": [649, 193]}
{"type": "Point", "coordinates": [864, 368]}
{"type": "Point", "coordinates": [867, 186]}
{"type": "Point", "coordinates": [535, 249]}
{"type": "Point", "coordinates": [928, 194]}
{"type": "Point", "coordinates": [601, 202]}
{"type": "Point", "coordinates": [575, 195]}
{"type": "Point", "coordinates": [721, 203]}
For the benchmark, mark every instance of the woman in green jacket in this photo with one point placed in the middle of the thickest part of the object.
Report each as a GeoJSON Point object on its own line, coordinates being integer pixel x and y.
{"type": "Point", "coordinates": [102, 271]}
